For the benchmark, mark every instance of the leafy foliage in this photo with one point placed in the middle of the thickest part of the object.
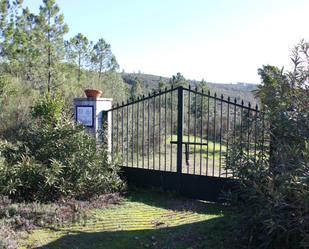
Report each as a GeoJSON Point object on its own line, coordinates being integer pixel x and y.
{"type": "Point", "coordinates": [150, 83]}
{"type": "Point", "coordinates": [35, 59]}
{"type": "Point", "coordinates": [178, 80]}
{"type": "Point", "coordinates": [48, 108]}
{"type": "Point", "coordinates": [51, 26]}
{"type": "Point", "coordinates": [78, 51]}
{"type": "Point", "coordinates": [102, 58]}
{"type": "Point", "coordinates": [15, 104]}
{"type": "Point", "coordinates": [136, 90]}
{"type": "Point", "coordinates": [54, 159]}
{"type": "Point", "coordinates": [33, 49]}
{"type": "Point", "coordinates": [273, 191]}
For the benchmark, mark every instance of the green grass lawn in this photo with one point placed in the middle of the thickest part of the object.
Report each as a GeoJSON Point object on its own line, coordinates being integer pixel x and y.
{"type": "Point", "coordinates": [213, 148]}
{"type": "Point", "coordinates": [203, 159]}
{"type": "Point", "coordinates": [198, 163]}
{"type": "Point", "coordinates": [145, 219]}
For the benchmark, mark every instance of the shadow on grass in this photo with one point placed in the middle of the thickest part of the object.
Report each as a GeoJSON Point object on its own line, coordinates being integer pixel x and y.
{"type": "Point", "coordinates": [200, 235]}
{"type": "Point", "coordinates": [174, 202]}
{"type": "Point", "coordinates": [212, 233]}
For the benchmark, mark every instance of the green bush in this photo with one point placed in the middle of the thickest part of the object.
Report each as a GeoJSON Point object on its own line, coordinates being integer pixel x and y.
{"type": "Point", "coordinates": [273, 192]}
{"type": "Point", "coordinates": [52, 160]}
{"type": "Point", "coordinates": [15, 101]}
{"type": "Point", "coordinates": [272, 207]}
{"type": "Point", "coordinates": [48, 108]}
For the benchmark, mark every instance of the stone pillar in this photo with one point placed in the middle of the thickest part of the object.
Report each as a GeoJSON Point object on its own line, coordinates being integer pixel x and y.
{"type": "Point", "coordinates": [92, 113]}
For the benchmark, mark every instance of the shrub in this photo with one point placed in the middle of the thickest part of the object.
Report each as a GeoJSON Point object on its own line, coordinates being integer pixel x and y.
{"type": "Point", "coordinates": [273, 192]}
{"type": "Point", "coordinates": [56, 159]}
{"type": "Point", "coordinates": [15, 101]}
{"type": "Point", "coordinates": [48, 108]}
{"type": "Point", "coordinates": [272, 207]}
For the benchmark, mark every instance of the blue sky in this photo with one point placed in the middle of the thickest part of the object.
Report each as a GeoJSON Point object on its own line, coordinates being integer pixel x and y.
{"type": "Point", "coordinates": [221, 41]}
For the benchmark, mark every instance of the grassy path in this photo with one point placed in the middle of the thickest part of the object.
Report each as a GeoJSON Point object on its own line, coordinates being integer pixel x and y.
{"type": "Point", "coordinates": [144, 220]}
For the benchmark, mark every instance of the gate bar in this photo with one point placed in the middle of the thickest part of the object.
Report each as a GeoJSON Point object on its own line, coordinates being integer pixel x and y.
{"type": "Point", "coordinates": [189, 143]}
{"type": "Point", "coordinates": [180, 120]}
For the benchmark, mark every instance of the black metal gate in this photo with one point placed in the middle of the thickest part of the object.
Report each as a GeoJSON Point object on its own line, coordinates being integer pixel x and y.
{"type": "Point", "coordinates": [180, 139]}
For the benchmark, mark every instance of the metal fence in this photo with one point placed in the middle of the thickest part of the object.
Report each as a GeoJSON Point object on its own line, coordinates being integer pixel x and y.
{"type": "Point", "coordinates": [186, 131]}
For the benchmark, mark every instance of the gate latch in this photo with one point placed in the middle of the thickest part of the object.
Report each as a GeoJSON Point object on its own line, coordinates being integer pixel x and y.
{"type": "Point", "coordinates": [187, 148]}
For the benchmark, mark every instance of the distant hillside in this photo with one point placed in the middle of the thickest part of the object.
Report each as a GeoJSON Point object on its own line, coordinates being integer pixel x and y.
{"type": "Point", "coordinates": [240, 91]}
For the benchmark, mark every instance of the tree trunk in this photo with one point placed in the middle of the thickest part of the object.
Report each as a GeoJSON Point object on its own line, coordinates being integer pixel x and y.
{"type": "Point", "coordinates": [100, 69]}
{"type": "Point", "coordinates": [49, 56]}
{"type": "Point", "coordinates": [79, 66]}
{"type": "Point", "coordinates": [49, 73]}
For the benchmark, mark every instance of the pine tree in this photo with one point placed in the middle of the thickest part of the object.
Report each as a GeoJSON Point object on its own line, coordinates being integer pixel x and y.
{"type": "Point", "coordinates": [4, 16]}
{"type": "Point", "coordinates": [201, 102]}
{"type": "Point", "coordinates": [8, 18]}
{"type": "Point", "coordinates": [161, 85]}
{"type": "Point", "coordinates": [78, 52]}
{"type": "Point", "coordinates": [136, 90]}
{"type": "Point", "coordinates": [178, 80]}
{"type": "Point", "coordinates": [52, 29]}
{"type": "Point", "coordinates": [29, 60]}
{"type": "Point", "coordinates": [102, 58]}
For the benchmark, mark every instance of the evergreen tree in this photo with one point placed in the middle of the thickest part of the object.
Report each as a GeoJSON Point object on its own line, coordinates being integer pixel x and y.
{"type": "Point", "coordinates": [201, 104]}
{"type": "Point", "coordinates": [136, 90]}
{"type": "Point", "coordinates": [4, 23]}
{"type": "Point", "coordinates": [78, 51]}
{"type": "Point", "coordinates": [29, 60]}
{"type": "Point", "coordinates": [161, 85]}
{"type": "Point", "coordinates": [115, 86]}
{"type": "Point", "coordinates": [19, 51]}
{"type": "Point", "coordinates": [203, 86]}
{"type": "Point", "coordinates": [178, 80]}
{"type": "Point", "coordinates": [8, 18]}
{"type": "Point", "coordinates": [52, 29]}
{"type": "Point", "coordinates": [102, 58]}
